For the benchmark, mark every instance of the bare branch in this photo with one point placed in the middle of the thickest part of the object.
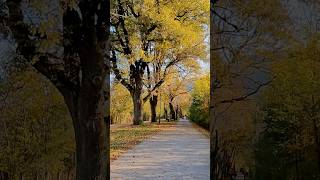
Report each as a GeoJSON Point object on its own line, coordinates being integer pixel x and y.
{"type": "Point", "coordinates": [244, 97]}
{"type": "Point", "coordinates": [117, 72]}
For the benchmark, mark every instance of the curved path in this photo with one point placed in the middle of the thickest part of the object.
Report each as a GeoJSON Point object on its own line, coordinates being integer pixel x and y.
{"type": "Point", "coordinates": [178, 153]}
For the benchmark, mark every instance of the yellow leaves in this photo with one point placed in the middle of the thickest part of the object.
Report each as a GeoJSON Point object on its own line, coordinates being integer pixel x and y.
{"type": "Point", "coordinates": [51, 40]}
{"type": "Point", "coordinates": [180, 26]}
{"type": "Point", "coordinates": [148, 4]}
{"type": "Point", "coordinates": [121, 104]}
{"type": "Point", "coordinates": [143, 55]}
{"type": "Point", "coordinates": [201, 88]}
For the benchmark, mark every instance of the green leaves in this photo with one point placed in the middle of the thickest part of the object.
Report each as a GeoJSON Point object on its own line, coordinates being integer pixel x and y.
{"type": "Point", "coordinates": [291, 115]}
{"type": "Point", "coordinates": [199, 110]}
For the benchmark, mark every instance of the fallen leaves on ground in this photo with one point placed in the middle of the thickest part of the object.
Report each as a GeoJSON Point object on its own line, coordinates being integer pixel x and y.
{"type": "Point", "coordinates": [125, 137]}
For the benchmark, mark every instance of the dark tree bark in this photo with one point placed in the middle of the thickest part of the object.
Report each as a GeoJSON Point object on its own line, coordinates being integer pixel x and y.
{"type": "Point", "coordinates": [87, 110]}
{"type": "Point", "coordinates": [177, 113]}
{"type": "Point", "coordinates": [166, 114]}
{"type": "Point", "coordinates": [313, 110]}
{"type": "Point", "coordinates": [137, 107]}
{"type": "Point", "coordinates": [180, 112]}
{"type": "Point", "coordinates": [172, 111]}
{"type": "Point", "coordinates": [4, 175]}
{"type": "Point", "coordinates": [214, 148]}
{"type": "Point", "coordinates": [80, 76]}
{"type": "Point", "coordinates": [153, 105]}
{"type": "Point", "coordinates": [134, 85]}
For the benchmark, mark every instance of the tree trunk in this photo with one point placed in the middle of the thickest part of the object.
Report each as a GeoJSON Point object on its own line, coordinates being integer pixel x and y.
{"type": "Point", "coordinates": [81, 83]}
{"type": "Point", "coordinates": [177, 113]}
{"type": "Point", "coordinates": [153, 106]}
{"type": "Point", "coordinates": [166, 114]}
{"type": "Point", "coordinates": [91, 135]}
{"type": "Point", "coordinates": [317, 140]}
{"type": "Point", "coordinates": [137, 107]}
{"type": "Point", "coordinates": [89, 110]}
{"type": "Point", "coordinates": [172, 111]}
{"type": "Point", "coordinates": [4, 175]}
{"type": "Point", "coordinates": [58, 175]}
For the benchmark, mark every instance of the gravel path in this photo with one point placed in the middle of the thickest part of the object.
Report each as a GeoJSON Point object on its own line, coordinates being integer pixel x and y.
{"type": "Point", "coordinates": [181, 152]}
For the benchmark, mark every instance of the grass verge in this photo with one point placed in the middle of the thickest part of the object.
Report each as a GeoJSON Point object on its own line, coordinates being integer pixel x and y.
{"type": "Point", "coordinates": [126, 137]}
{"type": "Point", "coordinates": [204, 131]}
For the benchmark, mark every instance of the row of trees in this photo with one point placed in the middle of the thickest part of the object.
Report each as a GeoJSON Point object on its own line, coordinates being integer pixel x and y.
{"type": "Point", "coordinates": [174, 99]}
{"type": "Point", "coordinates": [151, 40]}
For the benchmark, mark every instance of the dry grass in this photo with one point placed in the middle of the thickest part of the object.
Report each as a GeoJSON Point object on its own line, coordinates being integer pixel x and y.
{"type": "Point", "coordinates": [201, 129]}
{"type": "Point", "coordinates": [124, 137]}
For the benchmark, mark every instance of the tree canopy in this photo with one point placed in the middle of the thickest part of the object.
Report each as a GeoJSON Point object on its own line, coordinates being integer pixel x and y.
{"type": "Point", "coordinates": [149, 38]}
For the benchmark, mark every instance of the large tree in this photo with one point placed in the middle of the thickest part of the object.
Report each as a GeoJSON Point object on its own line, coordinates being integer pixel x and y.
{"type": "Point", "coordinates": [151, 37]}
{"type": "Point", "coordinates": [80, 31]}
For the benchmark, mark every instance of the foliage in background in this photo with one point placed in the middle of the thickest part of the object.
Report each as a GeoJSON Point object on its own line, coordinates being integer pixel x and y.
{"type": "Point", "coordinates": [121, 104]}
{"type": "Point", "coordinates": [289, 145]}
{"type": "Point", "coordinates": [36, 136]}
{"type": "Point", "coordinates": [199, 109]}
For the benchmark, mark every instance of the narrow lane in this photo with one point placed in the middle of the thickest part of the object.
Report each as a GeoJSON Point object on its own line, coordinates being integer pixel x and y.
{"type": "Point", "coordinates": [181, 152]}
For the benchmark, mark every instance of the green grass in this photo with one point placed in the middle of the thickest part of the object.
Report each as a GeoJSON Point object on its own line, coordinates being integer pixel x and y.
{"type": "Point", "coordinates": [126, 137]}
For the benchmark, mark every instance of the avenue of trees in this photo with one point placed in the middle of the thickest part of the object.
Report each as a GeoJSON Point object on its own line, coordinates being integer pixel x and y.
{"type": "Point", "coordinates": [151, 40]}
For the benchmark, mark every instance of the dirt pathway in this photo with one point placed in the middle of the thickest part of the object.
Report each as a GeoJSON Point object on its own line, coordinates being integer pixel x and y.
{"type": "Point", "coordinates": [178, 153]}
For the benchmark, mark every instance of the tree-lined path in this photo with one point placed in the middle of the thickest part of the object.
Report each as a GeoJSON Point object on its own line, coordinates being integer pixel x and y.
{"type": "Point", "coordinates": [181, 152]}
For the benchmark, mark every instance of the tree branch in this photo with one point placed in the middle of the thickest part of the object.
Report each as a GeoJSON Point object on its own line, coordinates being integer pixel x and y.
{"type": "Point", "coordinates": [117, 72]}
{"type": "Point", "coordinates": [244, 97]}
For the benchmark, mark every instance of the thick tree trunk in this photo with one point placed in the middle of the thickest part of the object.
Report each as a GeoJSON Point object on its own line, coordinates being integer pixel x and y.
{"type": "Point", "coordinates": [153, 106]}
{"type": "Point", "coordinates": [4, 175]}
{"type": "Point", "coordinates": [213, 76]}
{"type": "Point", "coordinates": [91, 134]}
{"type": "Point", "coordinates": [89, 110]}
{"type": "Point", "coordinates": [137, 107]}
{"type": "Point", "coordinates": [85, 98]}
{"type": "Point", "coordinates": [172, 111]}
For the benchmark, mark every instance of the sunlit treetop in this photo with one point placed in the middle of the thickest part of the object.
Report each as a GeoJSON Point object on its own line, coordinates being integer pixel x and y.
{"type": "Point", "coordinates": [160, 29]}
